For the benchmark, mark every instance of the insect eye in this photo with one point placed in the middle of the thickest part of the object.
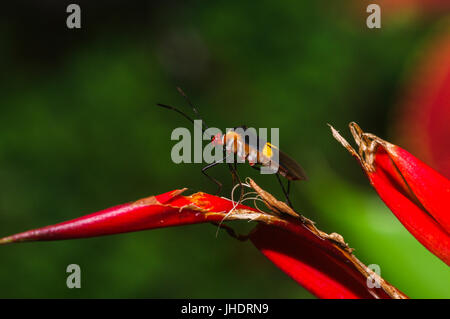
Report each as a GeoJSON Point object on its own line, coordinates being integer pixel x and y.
{"type": "Point", "coordinates": [216, 139]}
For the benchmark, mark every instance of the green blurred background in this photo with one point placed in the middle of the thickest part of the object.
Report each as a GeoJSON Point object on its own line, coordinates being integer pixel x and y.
{"type": "Point", "coordinates": [79, 132]}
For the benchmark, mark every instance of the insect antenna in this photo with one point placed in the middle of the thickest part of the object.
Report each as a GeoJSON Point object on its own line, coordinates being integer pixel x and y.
{"type": "Point", "coordinates": [176, 110]}
{"type": "Point", "coordinates": [191, 105]}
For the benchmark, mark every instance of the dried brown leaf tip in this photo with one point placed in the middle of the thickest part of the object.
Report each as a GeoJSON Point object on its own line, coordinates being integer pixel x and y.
{"type": "Point", "coordinates": [279, 208]}
{"type": "Point", "coordinates": [271, 202]}
{"type": "Point", "coordinates": [367, 145]}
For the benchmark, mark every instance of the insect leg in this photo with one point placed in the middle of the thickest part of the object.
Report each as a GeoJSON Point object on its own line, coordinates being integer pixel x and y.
{"type": "Point", "coordinates": [286, 193]}
{"type": "Point", "coordinates": [234, 173]}
{"type": "Point", "coordinates": [232, 232]}
{"type": "Point", "coordinates": [215, 181]}
{"type": "Point", "coordinates": [289, 187]}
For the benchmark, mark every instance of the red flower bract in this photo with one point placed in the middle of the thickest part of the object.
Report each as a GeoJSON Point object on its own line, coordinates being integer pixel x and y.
{"type": "Point", "coordinates": [322, 269]}
{"type": "Point", "coordinates": [322, 263]}
{"type": "Point", "coordinates": [417, 195]}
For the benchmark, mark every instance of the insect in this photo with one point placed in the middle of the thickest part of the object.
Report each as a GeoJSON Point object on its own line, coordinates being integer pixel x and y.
{"type": "Point", "coordinates": [243, 144]}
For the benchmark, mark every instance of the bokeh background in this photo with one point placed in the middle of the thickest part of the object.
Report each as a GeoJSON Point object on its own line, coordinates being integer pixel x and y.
{"type": "Point", "coordinates": [79, 132]}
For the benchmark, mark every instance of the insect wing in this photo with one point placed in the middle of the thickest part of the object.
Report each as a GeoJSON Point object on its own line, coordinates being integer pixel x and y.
{"type": "Point", "coordinates": [290, 165]}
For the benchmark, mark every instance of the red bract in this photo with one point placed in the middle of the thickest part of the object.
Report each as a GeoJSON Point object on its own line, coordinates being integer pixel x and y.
{"type": "Point", "coordinates": [322, 263]}
{"type": "Point", "coordinates": [326, 270]}
{"type": "Point", "coordinates": [417, 195]}
{"type": "Point", "coordinates": [168, 209]}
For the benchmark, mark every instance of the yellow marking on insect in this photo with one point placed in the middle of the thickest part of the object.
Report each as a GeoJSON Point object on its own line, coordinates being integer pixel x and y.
{"type": "Point", "coordinates": [267, 150]}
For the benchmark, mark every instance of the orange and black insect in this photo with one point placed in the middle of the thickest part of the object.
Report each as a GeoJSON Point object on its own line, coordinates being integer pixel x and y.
{"type": "Point", "coordinates": [245, 145]}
